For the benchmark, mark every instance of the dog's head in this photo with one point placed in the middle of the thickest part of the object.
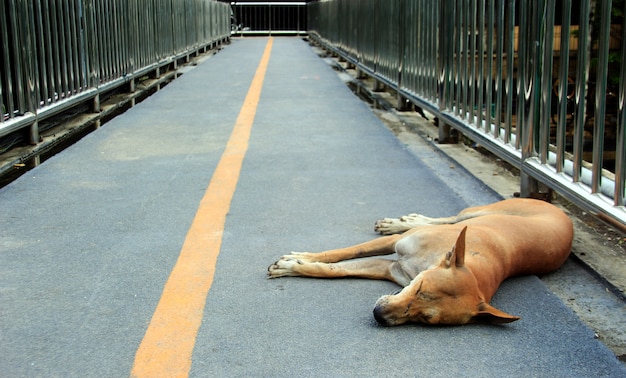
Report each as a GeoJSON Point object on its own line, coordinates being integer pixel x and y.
{"type": "Point", "coordinates": [446, 294]}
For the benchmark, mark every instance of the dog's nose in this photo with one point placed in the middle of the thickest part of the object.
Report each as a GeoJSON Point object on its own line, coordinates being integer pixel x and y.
{"type": "Point", "coordinates": [379, 316]}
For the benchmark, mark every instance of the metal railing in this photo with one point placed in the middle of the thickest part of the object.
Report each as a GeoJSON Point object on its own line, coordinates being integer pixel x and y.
{"type": "Point", "coordinates": [269, 18]}
{"type": "Point", "coordinates": [57, 54]}
{"type": "Point", "coordinates": [544, 93]}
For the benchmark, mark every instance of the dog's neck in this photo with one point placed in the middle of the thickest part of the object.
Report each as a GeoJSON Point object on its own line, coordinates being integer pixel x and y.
{"type": "Point", "coordinates": [492, 274]}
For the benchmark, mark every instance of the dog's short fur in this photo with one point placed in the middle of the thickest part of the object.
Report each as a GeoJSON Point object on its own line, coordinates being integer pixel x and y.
{"type": "Point", "coordinates": [449, 267]}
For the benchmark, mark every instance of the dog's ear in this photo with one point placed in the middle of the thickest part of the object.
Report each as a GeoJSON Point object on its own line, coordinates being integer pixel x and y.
{"type": "Point", "coordinates": [456, 257]}
{"type": "Point", "coordinates": [490, 314]}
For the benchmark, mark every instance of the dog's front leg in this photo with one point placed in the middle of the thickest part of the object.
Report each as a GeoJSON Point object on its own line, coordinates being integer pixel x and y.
{"type": "Point", "coordinates": [290, 265]}
{"type": "Point", "coordinates": [331, 263]}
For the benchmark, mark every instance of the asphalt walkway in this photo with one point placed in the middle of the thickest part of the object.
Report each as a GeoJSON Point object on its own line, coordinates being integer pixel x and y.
{"type": "Point", "coordinates": [143, 248]}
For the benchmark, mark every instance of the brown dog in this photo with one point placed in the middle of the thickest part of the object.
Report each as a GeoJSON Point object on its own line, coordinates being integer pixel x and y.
{"type": "Point", "coordinates": [450, 268]}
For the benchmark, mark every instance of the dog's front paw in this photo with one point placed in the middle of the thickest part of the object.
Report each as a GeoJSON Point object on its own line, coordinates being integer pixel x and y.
{"type": "Point", "coordinates": [286, 265]}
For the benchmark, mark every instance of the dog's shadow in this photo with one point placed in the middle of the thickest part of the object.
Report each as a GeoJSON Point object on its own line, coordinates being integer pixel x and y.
{"type": "Point", "coordinates": [420, 327]}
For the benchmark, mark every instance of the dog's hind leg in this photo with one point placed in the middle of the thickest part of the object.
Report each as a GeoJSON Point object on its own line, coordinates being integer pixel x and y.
{"type": "Point", "coordinates": [389, 226]}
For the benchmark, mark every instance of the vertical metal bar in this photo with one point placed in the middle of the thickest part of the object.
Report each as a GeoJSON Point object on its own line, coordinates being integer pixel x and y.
{"type": "Point", "coordinates": [19, 102]}
{"type": "Point", "coordinates": [30, 67]}
{"type": "Point", "coordinates": [412, 49]}
{"type": "Point", "coordinates": [410, 24]}
{"type": "Point", "coordinates": [451, 57]}
{"type": "Point", "coordinates": [62, 50]}
{"type": "Point", "coordinates": [499, 53]}
{"type": "Point", "coordinates": [530, 89]}
{"type": "Point", "coordinates": [521, 70]}
{"type": "Point", "coordinates": [563, 84]}
{"type": "Point", "coordinates": [422, 49]}
{"type": "Point", "coordinates": [399, 31]}
{"type": "Point", "coordinates": [69, 46]}
{"type": "Point", "coordinates": [91, 40]}
{"type": "Point", "coordinates": [489, 68]}
{"type": "Point", "coordinates": [582, 75]}
{"type": "Point", "coordinates": [392, 52]}
{"type": "Point", "coordinates": [113, 38]}
{"type": "Point", "coordinates": [601, 83]}
{"type": "Point", "coordinates": [531, 98]}
{"type": "Point", "coordinates": [407, 52]}
{"type": "Point", "coordinates": [415, 51]}
{"type": "Point", "coordinates": [510, 79]}
{"type": "Point", "coordinates": [82, 43]}
{"type": "Point", "coordinates": [111, 19]}
{"type": "Point", "coordinates": [473, 56]}
{"type": "Point", "coordinates": [46, 99]}
{"type": "Point", "coordinates": [3, 42]}
{"type": "Point", "coordinates": [6, 102]}
{"type": "Point", "coordinates": [101, 23]}
{"type": "Point", "coordinates": [269, 16]}
{"type": "Point", "coordinates": [443, 81]}
{"type": "Point", "coordinates": [421, 66]}
{"type": "Point", "coordinates": [547, 40]}
{"type": "Point", "coordinates": [134, 32]}
{"type": "Point", "coordinates": [76, 29]}
{"type": "Point", "coordinates": [464, 58]}
{"type": "Point", "coordinates": [435, 25]}
{"type": "Point", "coordinates": [102, 34]}
{"type": "Point", "coordinates": [442, 58]}
{"type": "Point", "coordinates": [56, 31]}
{"type": "Point", "coordinates": [95, 42]}
{"type": "Point", "coordinates": [124, 39]}
{"type": "Point", "coordinates": [458, 71]}
{"type": "Point", "coordinates": [424, 64]}
{"type": "Point", "coordinates": [121, 38]}
{"type": "Point", "coordinates": [49, 59]}
{"type": "Point", "coordinates": [457, 58]}
{"type": "Point", "coordinates": [480, 76]}
{"type": "Point", "coordinates": [620, 150]}
{"type": "Point", "coordinates": [157, 30]}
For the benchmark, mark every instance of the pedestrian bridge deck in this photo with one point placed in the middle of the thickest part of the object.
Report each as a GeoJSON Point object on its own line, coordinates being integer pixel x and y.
{"type": "Point", "coordinates": [143, 248]}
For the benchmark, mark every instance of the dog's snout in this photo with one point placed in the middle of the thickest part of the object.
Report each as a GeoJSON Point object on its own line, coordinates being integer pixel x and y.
{"type": "Point", "coordinates": [379, 316]}
{"type": "Point", "coordinates": [379, 311]}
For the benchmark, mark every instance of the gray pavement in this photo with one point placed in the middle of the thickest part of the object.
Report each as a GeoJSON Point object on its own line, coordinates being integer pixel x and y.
{"type": "Point", "coordinates": [88, 239]}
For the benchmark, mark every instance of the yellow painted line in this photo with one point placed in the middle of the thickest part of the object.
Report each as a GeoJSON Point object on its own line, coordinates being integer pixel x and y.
{"type": "Point", "coordinates": [168, 344]}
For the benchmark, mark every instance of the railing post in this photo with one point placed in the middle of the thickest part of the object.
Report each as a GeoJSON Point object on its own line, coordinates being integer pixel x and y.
{"type": "Point", "coordinates": [443, 68]}
{"type": "Point", "coordinates": [546, 45]}
{"type": "Point", "coordinates": [563, 89]}
{"type": "Point", "coordinates": [531, 96]}
{"type": "Point", "coordinates": [582, 75]}
{"type": "Point", "coordinates": [401, 101]}
{"type": "Point", "coordinates": [33, 135]}
{"type": "Point", "coordinates": [620, 158]}
{"type": "Point", "coordinates": [601, 86]}
{"type": "Point", "coordinates": [30, 67]}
